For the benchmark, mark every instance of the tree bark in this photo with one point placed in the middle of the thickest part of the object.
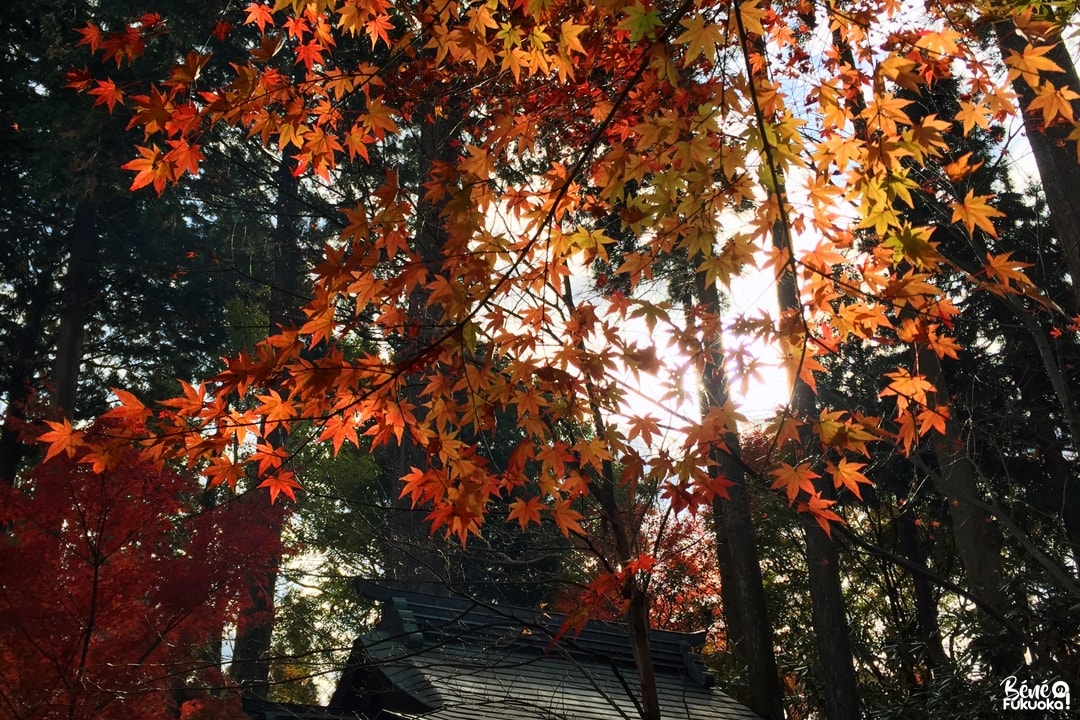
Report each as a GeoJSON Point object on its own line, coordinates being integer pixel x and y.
{"type": "Point", "coordinates": [736, 542]}
{"type": "Point", "coordinates": [21, 370]}
{"type": "Point", "coordinates": [831, 631]}
{"type": "Point", "coordinates": [250, 662]}
{"type": "Point", "coordinates": [978, 538]}
{"type": "Point", "coordinates": [1054, 156]}
{"type": "Point", "coordinates": [412, 557]}
{"type": "Point", "coordinates": [926, 610]}
{"type": "Point", "coordinates": [73, 311]}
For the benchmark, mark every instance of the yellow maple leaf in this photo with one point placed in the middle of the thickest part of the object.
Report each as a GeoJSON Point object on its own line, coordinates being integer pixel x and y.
{"type": "Point", "coordinates": [973, 115]}
{"type": "Point", "coordinates": [700, 38]}
{"type": "Point", "coordinates": [1030, 63]}
{"type": "Point", "coordinates": [1054, 102]}
{"type": "Point", "coordinates": [975, 212]}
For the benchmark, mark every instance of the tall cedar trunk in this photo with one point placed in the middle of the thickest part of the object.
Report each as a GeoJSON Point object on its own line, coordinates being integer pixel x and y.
{"type": "Point", "coordinates": [1056, 160]}
{"type": "Point", "coordinates": [977, 537]}
{"type": "Point", "coordinates": [735, 533]}
{"type": "Point", "coordinates": [1054, 156]}
{"type": "Point", "coordinates": [412, 559]}
{"type": "Point", "coordinates": [69, 341]}
{"type": "Point", "coordinates": [831, 631]}
{"type": "Point", "coordinates": [926, 609]}
{"type": "Point", "coordinates": [250, 661]}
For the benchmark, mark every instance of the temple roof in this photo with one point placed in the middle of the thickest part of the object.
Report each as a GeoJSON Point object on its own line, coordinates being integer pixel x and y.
{"type": "Point", "coordinates": [451, 658]}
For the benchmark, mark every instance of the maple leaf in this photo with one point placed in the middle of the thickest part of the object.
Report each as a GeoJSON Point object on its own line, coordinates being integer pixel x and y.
{"type": "Point", "coordinates": [90, 35]}
{"type": "Point", "coordinates": [259, 15]}
{"type": "Point", "coordinates": [62, 438]}
{"type": "Point", "coordinates": [973, 115]}
{"type": "Point", "coordinates": [933, 419]}
{"type": "Point", "coordinates": [310, 53]}
{"type": "Point", "coordinates": [592, 452]}
{"type": "Point", "coordinates": [700, 38]}
{"type": "Point", "coordinates": [848, 474]}
{"type": "Point", "coordinates": [1054, 102]}
{"type": "Point", "coordinates": [566, 518]}
{"type": "Point", "coordinates": [960, 168]}
{"type": "Point", "coordinates": [1007, 271]}
{"type": "Point", "coordinates": [222, 470]}
{"type": "Point", "coordinates": [106, 93]}
{"type": "Point", "coordinates": [130, 411]}
{"type": "Point", "coordinates": [975, 212]}
{"type": "Point", "coordinates": [819, 508]}
{"type": "Point", "coordinates": [339, 428]}
{"type": "Point", "coordinates": [379, 118]}
{"type": "Point", "coordinates": [639, 21]}
{"type": "Point", "coordinates": [281, 482]}
{"type": "Point", "coordinates": [182, 158]}
{"type": "Point", "coordinates": [478, 164]}
{"type": "Point", "coordinates": [276, 410]}
{"type": "Point", "coordinates": [1030, 63]}
{"type": "Point", "coordinates": [793, 479]}
{"type": "Point", "coordinates": [376, 29]}
{"type": "Point", "coordinates": [643, 426]}
{"type": "Point", "coordinates": [570, 37]}
{"type": "Point", "coordinates": [907, 388]}
{"type": "Point", "coordinates": [150, 169]}
{"type": "Point", "coordinates": [525, 511]}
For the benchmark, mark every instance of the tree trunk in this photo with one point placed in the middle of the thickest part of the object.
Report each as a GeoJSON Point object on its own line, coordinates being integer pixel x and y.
{"type": "Point", "coordinates": [18, 389]}
{"type": "Point", "coordinates": [832, 635]}
{"type": "Point", "coordinates": [736, 542]}
{"type": "Point", "coordinates": [926, 610]}
{"type": "Point", "coordinates": [412, 557]}
{"type": "Point", "coordinates": [831, 631]}
{"type": "Point", "coordinates": [977, 537]}
{"type": "Point", "coordinates": [1054, 156]}
{"type": "Point", "coordinates": [69, 341]}
{"type": "Point", "coordinates": [251, 663]}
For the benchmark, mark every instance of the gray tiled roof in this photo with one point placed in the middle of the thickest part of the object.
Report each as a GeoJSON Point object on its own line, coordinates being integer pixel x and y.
{"type": "Point", "coordinates": [441, 658]}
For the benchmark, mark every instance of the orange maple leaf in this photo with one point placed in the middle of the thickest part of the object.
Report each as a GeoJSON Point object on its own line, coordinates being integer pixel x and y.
{"type": "Point", "coordinates": [259, 15]}
{"type": "Point", "coordinates": [376, 29]}
{"type": "Point", "coordinates": [149, 169]}
{"type": "Point", "coordinates": [1007, 271]}
{"type": "Point", "coordinates": [907, 388]}
{"type": "Point", "coordinates": [794, 479]}
{"type": "Point", "coordinates": [280, 482]}
{"type": "Point", "coordinates": [379, 118]}
{"type": "Point", "coordinates": [1054, 102]}
{"type": "Point", "coordinates": [1030, 63]}
{"type": "Point", "coordinates": [340, 428]}
{"type": "Point", "coordinates": [182, 158]}
{"type": "Point", "coordinates": [819, 508]}
{"type": "Point", "coordinates": [525, 511]}
{"type": "Point", "coordinates": [62, 438]}
{"type": "Point", "coordinates": [566, 518]}
{"type": "Point", "coordinates": [275, 409]}
{"type": "Point", "coordinates": [848, 474]}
